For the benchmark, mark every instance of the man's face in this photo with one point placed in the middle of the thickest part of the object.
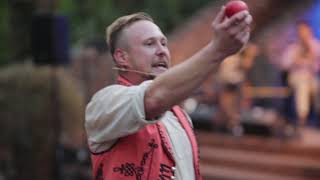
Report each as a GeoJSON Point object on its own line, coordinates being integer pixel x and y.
{"type": "Point", "coordinates": [147, 48]}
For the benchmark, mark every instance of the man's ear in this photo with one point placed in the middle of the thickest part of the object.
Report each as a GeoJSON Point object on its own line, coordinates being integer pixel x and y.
{"type": "Point", "coordinates": [121, 58]}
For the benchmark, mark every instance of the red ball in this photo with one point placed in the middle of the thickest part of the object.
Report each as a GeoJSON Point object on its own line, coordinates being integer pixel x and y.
{"type": "Point", "coordinates": [233, 7]}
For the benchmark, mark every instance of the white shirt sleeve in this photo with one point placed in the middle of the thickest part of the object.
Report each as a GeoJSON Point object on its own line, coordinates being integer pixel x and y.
{"type": "Point", "coordinates": [288, 57]}
{"type": "Point", "coordinates": [114, 112]}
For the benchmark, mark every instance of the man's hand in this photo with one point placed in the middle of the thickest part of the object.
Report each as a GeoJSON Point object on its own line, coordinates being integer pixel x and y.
{"type": "Point", "coordinates": [230, 34]}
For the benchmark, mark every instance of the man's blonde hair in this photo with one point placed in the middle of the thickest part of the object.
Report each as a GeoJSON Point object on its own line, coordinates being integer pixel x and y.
{"type": "Point", "coordinates": [114, 30]}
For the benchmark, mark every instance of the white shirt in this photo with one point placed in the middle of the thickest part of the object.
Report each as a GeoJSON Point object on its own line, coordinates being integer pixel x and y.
{"type": "Point", "coordinates": [117, 111]}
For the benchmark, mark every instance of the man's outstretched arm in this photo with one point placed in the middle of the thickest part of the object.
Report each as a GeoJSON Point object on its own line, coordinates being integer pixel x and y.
{"type": "Point", "coordinates": [176, 84]}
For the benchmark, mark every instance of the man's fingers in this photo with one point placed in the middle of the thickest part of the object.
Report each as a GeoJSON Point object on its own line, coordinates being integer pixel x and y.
{"type": "Point", "coordinates": [220, 16]}
{"type": "Point", "coordinates": [244, 35]}
{"type": "Point", "coordinates": [235, 29]}
{"type": "Point", "coordinates": [248, 19]}
{"type": "Point", "coordinates": [237, 18]}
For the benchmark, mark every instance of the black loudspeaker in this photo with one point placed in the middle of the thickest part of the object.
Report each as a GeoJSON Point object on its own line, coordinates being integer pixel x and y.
{"type": "Point", "coordinates": [50, 39]}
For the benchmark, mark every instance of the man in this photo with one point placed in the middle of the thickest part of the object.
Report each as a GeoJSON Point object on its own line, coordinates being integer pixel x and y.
{"type": "Point", "coordinates": [134, 129]}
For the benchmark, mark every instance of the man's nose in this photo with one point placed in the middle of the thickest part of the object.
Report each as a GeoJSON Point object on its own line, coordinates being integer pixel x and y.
{"type": "Point", "coordinates": [161, 50]}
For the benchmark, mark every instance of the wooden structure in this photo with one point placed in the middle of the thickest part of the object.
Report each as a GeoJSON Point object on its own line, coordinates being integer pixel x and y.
{"type": "Point", "coordinates": [259, 158]}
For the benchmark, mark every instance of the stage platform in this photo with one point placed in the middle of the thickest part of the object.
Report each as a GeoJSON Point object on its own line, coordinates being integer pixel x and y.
{"type": "Point", "coordinates": [225, 157]}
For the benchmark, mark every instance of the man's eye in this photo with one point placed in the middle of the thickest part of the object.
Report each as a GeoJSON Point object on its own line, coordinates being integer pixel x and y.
{"type": "Point", "coordinates": [149, 43]}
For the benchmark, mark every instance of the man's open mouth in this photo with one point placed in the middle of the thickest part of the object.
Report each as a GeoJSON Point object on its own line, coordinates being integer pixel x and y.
{"type": "Point", "coordinates": [160, 64]}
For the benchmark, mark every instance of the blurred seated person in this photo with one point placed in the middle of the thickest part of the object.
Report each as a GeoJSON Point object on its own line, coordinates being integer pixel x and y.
{"type": "Point", "coordinates": [302, 64]}
{"type": "Point", "coordinates": [232, 76]}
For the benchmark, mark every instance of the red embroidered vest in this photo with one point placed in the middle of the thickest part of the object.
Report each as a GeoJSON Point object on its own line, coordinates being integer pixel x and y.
{"type": "Point", "coordinates": [144, 155]}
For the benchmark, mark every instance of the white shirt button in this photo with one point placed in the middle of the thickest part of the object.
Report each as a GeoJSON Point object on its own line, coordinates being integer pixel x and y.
{"type": "Point", "coordinates": [172, 177]}
{"type": "Point", "coordinates": [173, 168]}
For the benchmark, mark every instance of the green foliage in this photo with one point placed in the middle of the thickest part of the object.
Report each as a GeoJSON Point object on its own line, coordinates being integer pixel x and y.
{"type": "Point", "coordinates": [90, 18]}
{"type": "Point", "coordinates": [4, 31]}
